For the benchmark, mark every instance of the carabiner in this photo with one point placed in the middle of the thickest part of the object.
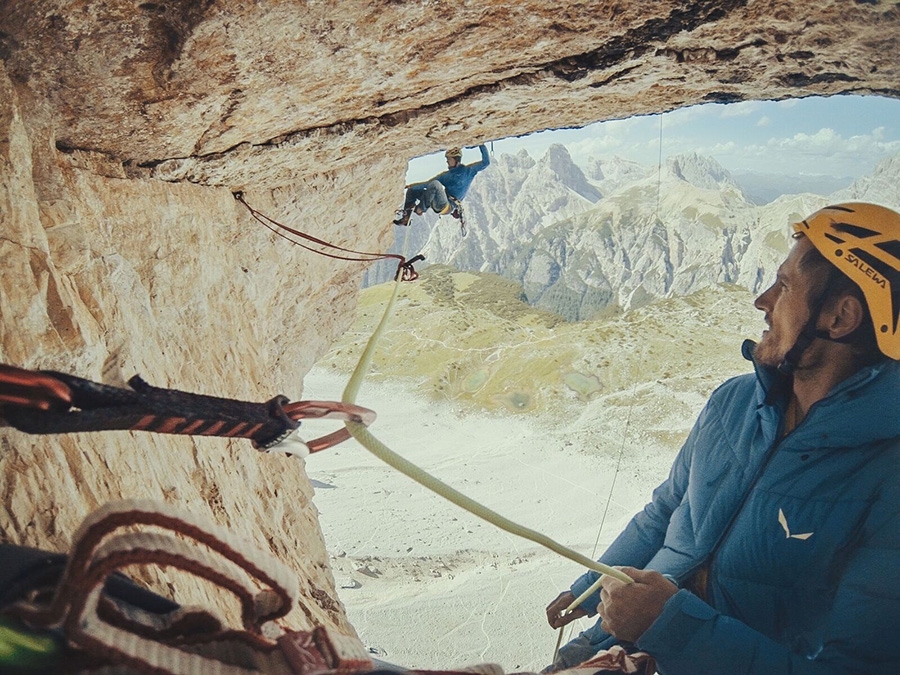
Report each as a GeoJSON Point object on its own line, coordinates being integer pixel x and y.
{"type": "Point", "coordinates": [331, 410]}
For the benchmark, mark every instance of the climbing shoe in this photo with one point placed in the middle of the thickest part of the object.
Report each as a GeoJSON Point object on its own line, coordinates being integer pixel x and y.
{"type": "Point", "coordinates": [403, 217]}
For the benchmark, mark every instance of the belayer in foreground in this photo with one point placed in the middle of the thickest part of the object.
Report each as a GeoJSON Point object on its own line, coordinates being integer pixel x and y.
{"type": "Point", "coordinates": [774, 545]}
{"type": "Point", "coordinates": [443, 193]}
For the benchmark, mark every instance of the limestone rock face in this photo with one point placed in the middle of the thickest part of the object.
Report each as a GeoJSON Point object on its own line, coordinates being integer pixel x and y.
{"type": "Point", "coordinates": [125, 126]}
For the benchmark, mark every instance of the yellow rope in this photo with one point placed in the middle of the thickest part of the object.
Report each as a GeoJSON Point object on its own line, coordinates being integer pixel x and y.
{"type": "Point", "coordinates": [404, 466]}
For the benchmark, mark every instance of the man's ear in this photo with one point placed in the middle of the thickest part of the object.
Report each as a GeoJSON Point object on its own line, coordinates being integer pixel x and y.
{"type": "Point", "coordinates": [845, 316]}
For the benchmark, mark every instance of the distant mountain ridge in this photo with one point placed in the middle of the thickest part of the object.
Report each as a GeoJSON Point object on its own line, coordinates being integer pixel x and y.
{"type": "Point", "coordinates": [621, 235]}
{"type": "Point", "coordinates": [763, 188]}
{"type": "Point", "coordinates": [702, 172]}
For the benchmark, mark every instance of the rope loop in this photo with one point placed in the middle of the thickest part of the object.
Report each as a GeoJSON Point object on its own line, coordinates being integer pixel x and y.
{"type": "Point", "coordinates": [109, 632]}
{"type": "Point", "coordinates": [409, 274]}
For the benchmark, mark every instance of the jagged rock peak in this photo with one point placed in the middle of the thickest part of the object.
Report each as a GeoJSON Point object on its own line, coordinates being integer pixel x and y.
{"type": "Point", "coordinates": [558, 160]}
{"type": "Point", "coordinates": [520, 161]}
{"type": "Point", "coordinates": [523, 155]}
{"type": "Point", "coordinates": [700, 171]}
{"type": "Point", "coordinates": [881, 186]}
{"type": "Point", "coordinates": [615, 169]}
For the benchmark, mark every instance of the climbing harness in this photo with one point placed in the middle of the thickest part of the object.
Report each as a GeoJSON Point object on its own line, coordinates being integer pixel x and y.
{"type": "Point", "coordinates": [47, 402]}
{"type": "Point", "coordinates": [454, 208]}
{"type": "Point", "coordinates": [405, 270]}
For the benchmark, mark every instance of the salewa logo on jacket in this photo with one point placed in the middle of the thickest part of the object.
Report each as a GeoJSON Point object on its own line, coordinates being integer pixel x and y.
{"type": "Point", "coordinates": [787, 531]}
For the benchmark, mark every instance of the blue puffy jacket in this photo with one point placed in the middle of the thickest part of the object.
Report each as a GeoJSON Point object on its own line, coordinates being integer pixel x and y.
{"type": "Point", "coordinates": [458, 179]}
{"type": "Point", "coordinates": [801, 537]}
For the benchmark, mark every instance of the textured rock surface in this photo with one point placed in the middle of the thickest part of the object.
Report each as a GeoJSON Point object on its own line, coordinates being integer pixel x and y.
{"type": "Point", "coordinates": [125, 125]}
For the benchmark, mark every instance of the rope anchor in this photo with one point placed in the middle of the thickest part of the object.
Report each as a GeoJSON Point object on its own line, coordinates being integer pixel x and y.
{"type": "Point", "coordinates": [405, 271]}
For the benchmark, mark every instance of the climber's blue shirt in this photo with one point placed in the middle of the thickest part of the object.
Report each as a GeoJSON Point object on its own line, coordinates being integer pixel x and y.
{"type": "Point", "coordinates": [801, 536]}
{"type": "Point", "coordinates": [458, 179]}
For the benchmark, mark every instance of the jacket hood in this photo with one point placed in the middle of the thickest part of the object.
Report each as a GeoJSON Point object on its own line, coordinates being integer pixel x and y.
{"type": "Point", "coordinates": [860, 410]}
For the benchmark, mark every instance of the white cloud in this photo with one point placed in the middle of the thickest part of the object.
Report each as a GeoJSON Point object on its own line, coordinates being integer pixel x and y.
{"type": "Point", "coordinates": [826, 142]}
{"type": "Point", "coordinates": [821, 152]}
{"type": "Point", "coordinates": [708, 113]}
{"type": "Point", "coordinates": [597, 145]}
{"type": "Point", "coordinates": [726, 148]}
{"type": "Point", "coordinates": [764, 121]}
{"type": "Point", "coordinates": [626, 126]}
{"type": "Point", "coordinates": [686, 116]}
{"type": "Point", "coordinates": [872, 144]}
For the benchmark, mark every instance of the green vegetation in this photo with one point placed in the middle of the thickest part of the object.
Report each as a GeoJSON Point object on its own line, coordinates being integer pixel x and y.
{"type": "Point", "coordinates": [471, 339]}
{"type": "Point", "coordinates": [711, 221]}
{"type": "Point", "coordinates": [777, 241]}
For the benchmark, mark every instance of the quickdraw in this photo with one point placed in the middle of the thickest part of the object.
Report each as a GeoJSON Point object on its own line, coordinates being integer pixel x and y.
{"type": "Point", "coordinates": [47, 402]}
{"type": "Point", "coordinates": [459, 214]}
{"type": "Point", "coordinates": [405, 271]}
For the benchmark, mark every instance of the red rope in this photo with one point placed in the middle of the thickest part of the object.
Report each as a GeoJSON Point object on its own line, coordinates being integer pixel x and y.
{"type": "Point", "coordinates": [405, 269]}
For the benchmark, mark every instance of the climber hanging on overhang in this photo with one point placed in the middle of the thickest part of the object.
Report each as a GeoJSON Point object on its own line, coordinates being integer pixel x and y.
{"type": "Point", "coordinates": [444, 193]}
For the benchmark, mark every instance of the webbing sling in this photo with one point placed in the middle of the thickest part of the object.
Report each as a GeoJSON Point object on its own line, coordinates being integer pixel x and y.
{"type": "Point", "coordinates": [48, 402]}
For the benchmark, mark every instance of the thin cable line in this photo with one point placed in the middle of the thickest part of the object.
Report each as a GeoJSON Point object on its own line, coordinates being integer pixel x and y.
{"type": "Point", "coordinates": [612, 488]}
{"type": "Point", "coordinates": [659, 167]}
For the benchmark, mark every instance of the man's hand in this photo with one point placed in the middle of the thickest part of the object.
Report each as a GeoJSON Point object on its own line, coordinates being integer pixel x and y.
{"type": "Point", "coordinates": [627, 610]}
{"type": "Point", "coordinates": [555, 609]}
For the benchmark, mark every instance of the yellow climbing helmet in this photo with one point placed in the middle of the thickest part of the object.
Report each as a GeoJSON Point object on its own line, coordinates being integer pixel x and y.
{"type": "Point", "coordinates": [453, 152]}
{"type": "Point", "coordinates": [863, 241]}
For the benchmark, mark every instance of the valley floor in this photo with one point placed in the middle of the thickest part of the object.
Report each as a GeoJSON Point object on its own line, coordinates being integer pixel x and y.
{"type": "Point", "coordinates": [428, 585]}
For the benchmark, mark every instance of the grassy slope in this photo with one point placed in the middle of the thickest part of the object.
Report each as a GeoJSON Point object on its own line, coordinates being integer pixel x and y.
{"type": "Point", "coordinates": [469, 338]}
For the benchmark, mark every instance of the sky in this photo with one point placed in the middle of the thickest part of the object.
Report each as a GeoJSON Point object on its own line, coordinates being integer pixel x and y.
{"type": "Point", "coordinates": [841, 136]}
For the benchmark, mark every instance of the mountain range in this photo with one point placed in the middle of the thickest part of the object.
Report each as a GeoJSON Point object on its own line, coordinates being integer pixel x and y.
{"type": "Point", "coordinates": [618, 235]}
